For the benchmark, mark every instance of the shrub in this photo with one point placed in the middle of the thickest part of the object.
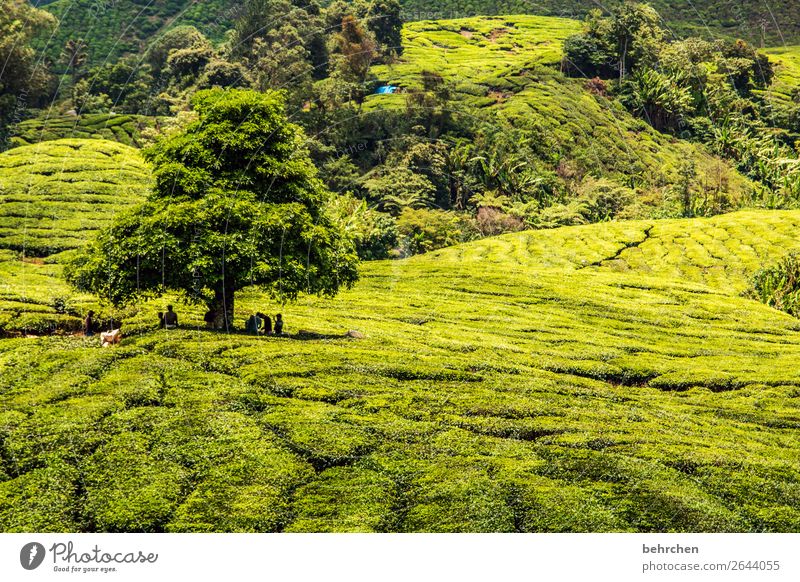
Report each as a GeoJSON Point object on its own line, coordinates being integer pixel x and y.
{"type": "Point", "coordinates": [42, 500]}
{"type": "Point", "coordinates": [423, 230]}
{"type": "Point", "coordinates": [597, 200]}
{"type": "Point", "coordinates": [779, 285]}
{"type": "Point", "coordinates": [128, 490]}
{"type": "Point", "coordinates": [374, 233]}
{"type": "Point", "coordinates": [493, 221]}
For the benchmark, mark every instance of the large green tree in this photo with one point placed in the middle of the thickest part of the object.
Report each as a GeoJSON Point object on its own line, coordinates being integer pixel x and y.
{"type": "Point", "coordinates": [236, 202]}
{"type": "Point", "coordinates": [629, 38]}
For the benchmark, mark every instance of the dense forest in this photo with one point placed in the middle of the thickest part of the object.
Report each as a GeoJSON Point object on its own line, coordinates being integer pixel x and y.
{"type": "Point", "coordinates": [119, 27]}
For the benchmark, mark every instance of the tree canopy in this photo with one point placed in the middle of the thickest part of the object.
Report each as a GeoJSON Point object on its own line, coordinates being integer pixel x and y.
{"type": "Point", "coordinates": [236, 202]}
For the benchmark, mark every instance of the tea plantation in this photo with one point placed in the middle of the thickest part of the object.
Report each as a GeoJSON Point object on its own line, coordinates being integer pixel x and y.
{"type": "Point", "coordinates": [53, 196]}
{"type": "Point", "coordinates": [509, 66]}
{"type": "Point", "coordinates": [125, 129]}
{"type": "Point", "coordinates": [598, 378]}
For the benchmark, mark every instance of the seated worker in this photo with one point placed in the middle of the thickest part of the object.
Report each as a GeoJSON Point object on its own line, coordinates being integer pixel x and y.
{"type": "Point", "coordinates": [88, 324]}
{"type": "Point", "coordinates": [267, 324]}
{"type": "Point", "coordinates": [279, 324]}
{"type": "Point", "coordinates": [253, 324]}
{"type": "Point", "coordinates": [170, 318]}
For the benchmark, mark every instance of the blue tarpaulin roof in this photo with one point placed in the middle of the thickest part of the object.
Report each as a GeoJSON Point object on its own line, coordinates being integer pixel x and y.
{"type": "Point", "coordinates": [385, 90]}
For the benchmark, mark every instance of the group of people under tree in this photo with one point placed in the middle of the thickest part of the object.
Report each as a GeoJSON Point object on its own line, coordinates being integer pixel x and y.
{"type": "Point", "coordinates": [261, 324]}
{"type": "Point", "coordinates": [257, 324]}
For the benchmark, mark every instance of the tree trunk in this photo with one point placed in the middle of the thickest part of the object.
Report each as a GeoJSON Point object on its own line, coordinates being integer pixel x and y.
{"type": "Point", "coordinates": [220, 314]}
{"type": "Point", "coordinates": [622, 61]}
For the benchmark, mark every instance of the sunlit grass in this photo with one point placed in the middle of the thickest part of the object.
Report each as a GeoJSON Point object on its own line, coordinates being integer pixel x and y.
{"type": "Point", "coordinates": [523, 383]}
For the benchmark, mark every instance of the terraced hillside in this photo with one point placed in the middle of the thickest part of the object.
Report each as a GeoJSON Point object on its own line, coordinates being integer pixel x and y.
{"type": "Point", "coordinates": [53, 195]}
{"type": "Point", "coordinates": [509, 65]}
{"type": "Point", "coordinates": [114, 28]}
{"type": "Point", "coordinates": [777, 22]}
{"type": "Point", "coordinates": [599, 378]}
{"type": "Point", "coordinates": [721, 252]}
{"type": "Point", "coordinates": [125, 129]}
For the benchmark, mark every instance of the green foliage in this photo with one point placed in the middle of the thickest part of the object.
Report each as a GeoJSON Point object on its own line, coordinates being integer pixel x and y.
{"type": "Point", "coordinates": [346, 499]}
{"type": "Point", "coordinates": [779, 285]}
{"type": "Point", "coordinates": [283, 44]}
{"type": "Point", "coordinates": [73, 57]}
{"type": "Point", "coordinates": [519, 383]}
{"type": "Point", "coordinates": [597, 200]}
{"type": "Point", "coordinates": [122, 86]}
{"type": "Point", "coordinates": [374, 233]}
{"type": "Point", "coordinates": [629, 38]}
{"type": "Point", "coordinates": [127, 489]}
{"type": "Point", "coordinates": [657, 98]}
{"type": "Point", "coordinates": [353, 50]}
{"type": "Point", "coordinates": [384, 19]}
{"type": "Point", "coordinates": [113, 29]}
{"type": "Point", "coordinates": [40, 500]}
{"type": "Point", "coordinates": [179, 38]}
{"type": "Point", "coordinates": [400, 188]}
{"type": "Point", "coordinates": [24, 81]}
{"type": "Point", "coordinates": [533, 134]}
{"type": "Point", "coordinates": [697, 88]}
{"type": "Point", "coordinates": [236, 203]}
{"type": "Point", "coordinates": [422, 230]}
{"type": "Point", "coordinates": [57, 194]}
{"type": "Point", "coordinates": [760, 155]}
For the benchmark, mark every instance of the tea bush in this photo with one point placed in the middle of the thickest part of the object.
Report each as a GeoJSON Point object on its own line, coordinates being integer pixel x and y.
{"type": "Point", "coordinates": [606, 377]}
{"type": "Point", "coordinates": [125, 129]}
{"type": "Point", "coordinates": [56, 194]}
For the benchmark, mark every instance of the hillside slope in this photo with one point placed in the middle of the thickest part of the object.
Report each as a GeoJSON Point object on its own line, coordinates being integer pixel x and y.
{"type": "Point", "coordinates": [125, 129]}
{"type": "Point", "coordinates": [115, 28]}
{"type": "Point", "coordinates": [112, 28]}
{"type": "Point", "coordinates": [721, 252]}
{"type": "Point", "coordinates": [521, 383]}
{"type": "Point", "coordinates": [508, 66]}
{"type": "Point", "coordinates": [56, 194]}
{"type": "Point", "coordinates": [711, 18]}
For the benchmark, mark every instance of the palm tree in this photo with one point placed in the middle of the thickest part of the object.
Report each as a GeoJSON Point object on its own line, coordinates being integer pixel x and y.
{"type": "Point", "coordinates": [457, 160]}
{"type": "Point", "coordinates": [658, 98]}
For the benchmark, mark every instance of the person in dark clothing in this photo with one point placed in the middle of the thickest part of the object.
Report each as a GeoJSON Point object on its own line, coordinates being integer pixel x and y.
{"type": "Point", "coordinates": [252, 325]}
{"type": "Point", "coordinates": [267, 329]}
{"type": "Point", "coordinates": [160, 320]}
{"type": "Point", "coordinates": [170, 318]}
{"type": "Point", "coordinates": [279, 324]}
{"type": "Point", "coordinates": [88, 324]}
